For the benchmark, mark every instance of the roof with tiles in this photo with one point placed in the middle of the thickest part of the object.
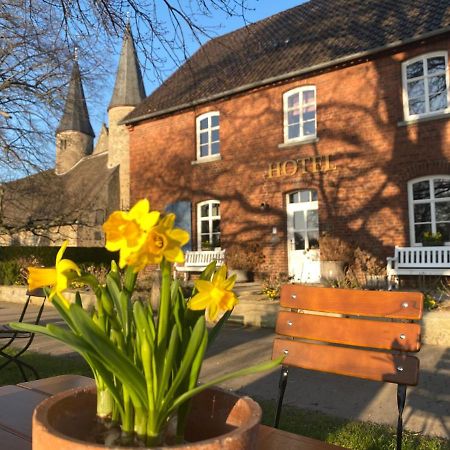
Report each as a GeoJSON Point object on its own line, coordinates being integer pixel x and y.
{"type": "Point", "coordinates": [76, 116]}
{"type": "Point", "coordinates": [89, 186]}
{"type": "Point", "coordinates": [128, 88]}
{"type": "Point", "coordinates": [302, 38]}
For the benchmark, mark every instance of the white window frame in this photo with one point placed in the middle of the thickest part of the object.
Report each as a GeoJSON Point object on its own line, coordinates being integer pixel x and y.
{"type": "Point", "coordinates": [209, 130]}
{"type": "Point", "coordinates": [424, 59]}
{"type": "Point", "coordinates": [432, 201]}
{"type": "Point", "coordinates": [302, 136]}
{"type": "Point", "coordinates": [210, 220]}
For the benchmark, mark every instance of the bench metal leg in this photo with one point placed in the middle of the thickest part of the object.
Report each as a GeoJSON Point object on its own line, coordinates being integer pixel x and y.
{"type": "Point", "coordinates": [281, 389]}
{"type": "Point", "coordinates": [401, 398]}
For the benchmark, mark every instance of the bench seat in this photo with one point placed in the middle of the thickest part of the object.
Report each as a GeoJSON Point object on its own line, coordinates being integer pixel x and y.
{"type": "Point", "coordinates": [197, 261]}
{"type": "Point", "coordinates": [418, 261]}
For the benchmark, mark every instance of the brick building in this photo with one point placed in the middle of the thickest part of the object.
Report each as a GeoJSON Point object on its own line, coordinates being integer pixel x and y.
{"type": "Point", "coordinates": [329, 119]}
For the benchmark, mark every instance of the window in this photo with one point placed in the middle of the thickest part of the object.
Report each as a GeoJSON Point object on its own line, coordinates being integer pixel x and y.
{"type": "Point", "coordinates": [208, 225]}
{"type": "Point", "coordinates": [208, 142]}
{"type": "Point", "coordinates": [425, 85]}
{"type": "Point", "coordinates": [304, 223]}
{"type": "Point", "coordinates": [299, 114]}
{"type": "Point", "coordinates": [429, 207]}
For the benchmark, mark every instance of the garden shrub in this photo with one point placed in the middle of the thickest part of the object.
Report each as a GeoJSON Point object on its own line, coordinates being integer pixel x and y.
{"type": "Point", "coordinates": [15, 260]}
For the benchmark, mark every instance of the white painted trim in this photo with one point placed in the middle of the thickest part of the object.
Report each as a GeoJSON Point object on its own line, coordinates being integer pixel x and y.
{"type": "Point", "coordinates": [424, 57]}
{"type": "Point", "coordinates": [210, 220]}
{"type": "Point", "coordinates": [206, 159]}
{"type": "Point", "coordinates": [286, 95]}
{"type": "Point", "coordinates": [209, 130]}
{"type": "Point", "coordinates": [431, 200]}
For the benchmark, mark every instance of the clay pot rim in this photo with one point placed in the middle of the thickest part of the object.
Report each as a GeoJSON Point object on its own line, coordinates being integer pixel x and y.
{"type": "Point", "coordinates": [40, 412]}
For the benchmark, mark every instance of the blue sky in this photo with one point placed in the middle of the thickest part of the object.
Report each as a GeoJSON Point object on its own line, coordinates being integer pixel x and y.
{"type": "Point", "coordinates": [258, 9]}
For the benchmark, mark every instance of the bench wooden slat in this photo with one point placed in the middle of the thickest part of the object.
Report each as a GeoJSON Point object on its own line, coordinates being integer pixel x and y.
{"type": "Point", "coordinates": [366, 364]}
{"type": "Point", "coordinates": [396, 305]}
{"type": "Point", "coordinates": [356, 332]}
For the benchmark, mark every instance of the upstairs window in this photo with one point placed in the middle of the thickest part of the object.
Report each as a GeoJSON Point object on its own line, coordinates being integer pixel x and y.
{"type": "Point", "coordinates": [208, 225]}
{"type": "Point", "coordinates": [299, 114]}
{"type": "Point", "coordinates": [429, 207]}
{"type": "Point", "coordinates": [425, 85]}
{"type": "Point", "coordinates": [208, 140]}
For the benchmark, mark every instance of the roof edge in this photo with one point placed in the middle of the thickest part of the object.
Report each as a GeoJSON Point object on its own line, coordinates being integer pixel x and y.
{"type": "Point", "coordinates": [285, 76]}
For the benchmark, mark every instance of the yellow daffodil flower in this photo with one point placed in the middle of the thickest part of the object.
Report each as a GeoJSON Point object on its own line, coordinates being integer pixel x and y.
{"type": "Point", "coordinates": [214, 296]}
{"type": "Point", "coordinates": [127, 231]}
{"type": "Point", "coordinates": [59, 277]}
{"type": "Point", "coordinates": [162, 241]}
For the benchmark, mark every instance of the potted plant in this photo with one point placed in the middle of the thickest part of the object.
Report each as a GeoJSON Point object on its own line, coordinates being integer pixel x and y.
{"type": "Point", "coordinates": [244, 260]}
{"type": "Point", "coordinates": [335, 254]}
{"type": "Point", "coordinates": [432, 239]}
{"type": "Point", "coordinates": [145, 363]}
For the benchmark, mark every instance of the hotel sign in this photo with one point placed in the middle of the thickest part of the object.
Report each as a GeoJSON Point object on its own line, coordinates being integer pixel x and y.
{"type": "Point", "coordinates": [291, 167]}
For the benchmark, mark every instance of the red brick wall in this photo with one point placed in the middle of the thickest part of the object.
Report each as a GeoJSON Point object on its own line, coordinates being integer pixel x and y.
{"type": "Point", "coordinates": [358, 109]}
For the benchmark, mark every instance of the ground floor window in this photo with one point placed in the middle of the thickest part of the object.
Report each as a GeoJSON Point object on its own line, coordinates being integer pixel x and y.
{"type": "Point", "coordinates": [429, 207]}
{"type": "Point", "coordinates": [208, 225]}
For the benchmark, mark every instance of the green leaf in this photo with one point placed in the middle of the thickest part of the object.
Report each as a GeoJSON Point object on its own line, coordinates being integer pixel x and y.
{"type": "Point", "coordinates": [214, 332]}
{"type": "Point", "coordinates": [198, 360]}
{"type": "Point", "coordinates": [262, 367]}
{"type": "Point", "coordinates": [191, 350]}
{"type": "Point", "coordinates": [168, 365]}
{"type": "Point", "coordinates": [130, 279]}
{"type": "Point", "coordinates": [108, 354]}
{"type": "Point", "coordinates": [142, 324]}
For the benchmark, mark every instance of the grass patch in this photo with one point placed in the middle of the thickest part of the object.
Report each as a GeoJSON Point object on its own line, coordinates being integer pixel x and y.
{"type": "Point", "coordinates": [46, 366]}
{"type": "Point", "coordinates": [346, 433]}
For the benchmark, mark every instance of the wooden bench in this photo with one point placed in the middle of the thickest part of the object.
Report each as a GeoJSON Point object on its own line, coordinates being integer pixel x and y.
{"type": "Point", "coordinates": [418, 261]}
{"type": "Point", "coordinates": [363, 334]}
{"type": "Point", "coordinates": [197, 261]}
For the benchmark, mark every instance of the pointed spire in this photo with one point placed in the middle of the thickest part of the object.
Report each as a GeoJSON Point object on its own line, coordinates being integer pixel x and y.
{"type": "Point", "coordinates": [129, 88]}
{"type": "Point", "coordinates": [76, 116]}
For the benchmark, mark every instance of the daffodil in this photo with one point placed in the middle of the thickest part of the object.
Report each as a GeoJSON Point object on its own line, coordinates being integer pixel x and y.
{"type": "Point", "coordinates": [214, 296]}
{"type": "Point", "coordinates": [58, 277]}
{"type": "Point", "coordinates": [127, 231]}
{"type": "Point", "coordinates": [162, 241]}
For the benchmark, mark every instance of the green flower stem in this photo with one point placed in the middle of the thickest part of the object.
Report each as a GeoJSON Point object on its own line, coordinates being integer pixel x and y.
{"type": "Point", "coordinates": [128, 416]}
{"type": "Point", "coordinates": [164, 307]}
{"type": "Point", "coordinates": [140, 423]}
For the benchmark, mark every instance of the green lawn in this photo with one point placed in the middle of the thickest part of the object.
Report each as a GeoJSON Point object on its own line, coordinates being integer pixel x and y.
{"type": "Point", "coordinates": [349, 434]}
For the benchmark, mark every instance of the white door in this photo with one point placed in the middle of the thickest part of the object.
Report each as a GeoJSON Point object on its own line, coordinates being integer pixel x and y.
{"type": "Point", "coordinates": [303, 236]}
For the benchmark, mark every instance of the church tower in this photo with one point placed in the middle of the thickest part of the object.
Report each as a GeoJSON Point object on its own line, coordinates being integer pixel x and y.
{"type": "Point", "coordinates": [128, 92]}
{"type": "Point", "coordinates": [74, 135]}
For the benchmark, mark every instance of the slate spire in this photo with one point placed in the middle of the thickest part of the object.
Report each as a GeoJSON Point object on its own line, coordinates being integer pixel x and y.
{"type": "Point", "coordinates": [129, 88]}
{"type": "Point", "coordinates": [76, 116]}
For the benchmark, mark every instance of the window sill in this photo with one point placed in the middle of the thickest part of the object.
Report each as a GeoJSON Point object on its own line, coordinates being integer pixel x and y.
{"type": "Point", "coordinates": [407, 122]}
{"type": "Point", "coordinates": [206, 159]}
{"type": "Point", "coordinates": [311, 140]}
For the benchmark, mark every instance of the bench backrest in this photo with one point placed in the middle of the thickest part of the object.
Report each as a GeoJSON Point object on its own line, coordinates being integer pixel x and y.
{"type": "Point", "coordinates": [348, 318]}
{"type": "Point", "coordinates": [203, 258]}
{"type": "Point", "coordinates": [422, 257]}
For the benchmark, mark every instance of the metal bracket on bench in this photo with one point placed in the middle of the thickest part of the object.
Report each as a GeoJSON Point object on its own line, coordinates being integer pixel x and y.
{"type": "Point", "coordinates": [281, 389]}
{"type": "Point", "coordinates": [401, 398]}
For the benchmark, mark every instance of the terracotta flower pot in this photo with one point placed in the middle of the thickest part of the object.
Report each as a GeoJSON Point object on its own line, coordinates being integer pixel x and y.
{"type": "Point", "coordinates": [218, 420]}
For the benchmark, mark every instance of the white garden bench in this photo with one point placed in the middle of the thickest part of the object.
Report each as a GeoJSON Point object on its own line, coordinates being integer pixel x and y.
{"type": "Point", "coordinates": [418, 261]}
{"type": "Point", "coordinates": [197, 261]}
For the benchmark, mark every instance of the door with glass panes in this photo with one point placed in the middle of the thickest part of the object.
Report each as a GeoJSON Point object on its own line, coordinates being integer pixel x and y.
{"type": "Point", "coordinates": [303, 236]}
